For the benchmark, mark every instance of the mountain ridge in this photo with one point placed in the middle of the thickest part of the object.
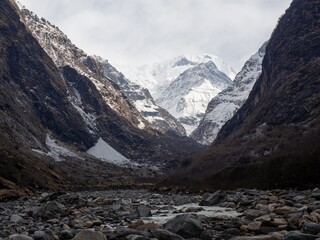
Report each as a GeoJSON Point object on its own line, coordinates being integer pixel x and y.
{"type": "Point", "coordinates": [273, 139]}
{"type": "Point", "coordinates": [223, 106]}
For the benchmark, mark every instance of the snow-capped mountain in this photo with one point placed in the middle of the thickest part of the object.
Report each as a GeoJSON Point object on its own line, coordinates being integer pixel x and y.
{"type": "Point", "coordinates": [196, 93]}
{"type": "Point", "coordinates": [64, 53]}
{"type": "Point", "coordinates": [222, 107]}
{"type": "Point", "coordinates": [188, 95]}
{"type": "Point", "coordinates": [157, 117]}
{"type": "Point", "coordinates": [158, 76]}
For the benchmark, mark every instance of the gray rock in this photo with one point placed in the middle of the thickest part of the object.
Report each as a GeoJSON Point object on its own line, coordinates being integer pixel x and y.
{"type": "Point", "coordinates": [66, 234]}
{"type": "Point", "coordinates": [90, 235]}
{"type": "Point", "coordinates": [144, 211]}
{"type": "Point", "coordinates": [299, 236]}
{"type": "Point", "coordinates": [41, 235]}
{"type": "Point", "coordinates": [136, 237]}
{"type": "Point", "coordinates": [252, 214]}
{"type": "Point", "coordinates": [122, 232]}
{"type": "Point", "coordinates": [206, 235]}
{"type": "Point", "coordinates": [187, 225]}
{"type": "Point", "coordinates": [311, 228]}
{"type": "Point", "coordinates": [50, 209]}
{"type": "Point", "coordinates": [15, 218]}
{"type": "Point", "coordinates": [212, 199]}
{"type": "Point", "coordinates": [162, 234]}
{"type": "Point", "coordinates": [20, 237]}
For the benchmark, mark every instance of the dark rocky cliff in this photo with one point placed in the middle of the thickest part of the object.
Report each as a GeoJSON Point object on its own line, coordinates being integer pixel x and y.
{"type": "Point", "coordinates": [273, 140]}
{"type": "Point", "coordinates": [41, 104]}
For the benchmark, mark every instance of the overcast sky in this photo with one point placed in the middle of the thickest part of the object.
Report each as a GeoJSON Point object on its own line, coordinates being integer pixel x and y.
{"type": "Point", "coordinates": [139, 32]}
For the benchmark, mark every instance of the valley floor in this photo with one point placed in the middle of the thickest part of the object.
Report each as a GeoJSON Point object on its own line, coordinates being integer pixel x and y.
{"type": "Point", "coordinates": [144, 214]}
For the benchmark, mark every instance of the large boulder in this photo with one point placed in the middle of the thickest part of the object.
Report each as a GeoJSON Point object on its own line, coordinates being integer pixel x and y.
{"type": "Point", "coordinates": [187, 225]}
{"type": "Point", "coordinates": [162, 234]}
{"type": "Point", "coordinates": [144, 211]}
{"type": "Point", "coordinates": [20, 237]}
{"type": "Point", "coordinates": [212, 199]}
{"type": "Point", "coordinates": [50, 209]}
{"type": "Point", "coordinates": [87, 234]}
{"type": "Point", "coordinates": [299, 236]}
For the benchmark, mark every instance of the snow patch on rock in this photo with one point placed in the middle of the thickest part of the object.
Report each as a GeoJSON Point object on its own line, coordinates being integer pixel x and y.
{"type": "Point", "coordinates": [105, 152]}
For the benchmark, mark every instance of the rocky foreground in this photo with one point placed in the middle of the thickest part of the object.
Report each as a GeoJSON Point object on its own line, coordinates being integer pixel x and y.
{"type": "Point", "coordinates": [143, 215]}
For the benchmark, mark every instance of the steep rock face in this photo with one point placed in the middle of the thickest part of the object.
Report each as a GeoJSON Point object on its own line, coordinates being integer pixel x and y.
{"type": "Point", "coordinates": [187, 81]}
{"type": "Point", "coordinates": [64, 53]}
{"type": "Point", "coordinates": [273, 140]}
{"type": "Point", "coordinates": [157, 117]}
{"type": "Point", "coordinates": [222, 107]}
{"type": "Point", "coordinates": [187, 96]}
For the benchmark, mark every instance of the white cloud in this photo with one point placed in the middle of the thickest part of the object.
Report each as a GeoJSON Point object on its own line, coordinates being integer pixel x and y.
{"type": "Point", "coordinates": [141, 31]}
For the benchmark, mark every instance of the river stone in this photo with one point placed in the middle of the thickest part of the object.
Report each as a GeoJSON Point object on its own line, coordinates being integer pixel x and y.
{"type": "Point", "coordinates": [20, 237]}
{"type": "Point", "coordinates": [260, 237]}
{"type": "Point", "coordinates": [186, 225]}
{"type": "Point", "coordinates": [311, 228]}
{"type": "Point", "coordinates": [49, 210]}
{"type": "Point", "coordinates": [66, 234]}
{"type": "Point", "coordinates": [299, 236]}
{"type": "Point", "coordinates": [284, 210]}
{"type": "Point", "coordinates": [254, 226]}
{"type": "Point", "coordinates": [89, 235]}
{"type": "Point", "coordinates": [41, 235]}
{"type": "Point", "coordinates": [144, 211]}
{"type": "Point", "coordinates": [16, 218]}
{"type": "Point", "coordinates": [162, 234]}
{"type": "Point", "coordinates": [212, 199]}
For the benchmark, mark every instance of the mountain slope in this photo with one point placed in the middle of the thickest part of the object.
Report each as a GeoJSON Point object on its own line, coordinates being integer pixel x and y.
{"type": "Point", "coordinates": [64, 53]}
{"type": "Point", "coordinates": [222, 107]}
{"type": "Point", "coordinates": [165, 81]}
{"type": "Point", "coordinates": [187, 96]}
{"type": "Point", "coordinates": [273, 140]}
{"type": "Point", "coordinates": [157, 117]}
{"type": "Point", "coordinates": [51, 117]}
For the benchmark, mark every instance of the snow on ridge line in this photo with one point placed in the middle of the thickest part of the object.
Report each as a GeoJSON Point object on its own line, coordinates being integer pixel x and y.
{"type": "Point", "coordinates": [105, 152]}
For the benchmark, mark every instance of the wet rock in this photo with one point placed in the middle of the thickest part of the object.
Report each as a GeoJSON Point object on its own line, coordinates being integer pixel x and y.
{"type": "Point", "coordinates": [311, 228]}
{"type": "Point", "coordinates": [87, 234]}
{"type": "Point", "coordinates": [162, 234]}
{"type": "Point", "coordinates": [187, 225]}
{"type": "Point", "coordinates": [144, 211]}
{"type": "Point", "coordinates": [299, 236]}
{"type": "Point", "coordinates": [194, 209]}
{"type": "Point", "coordinates": [212, 199]}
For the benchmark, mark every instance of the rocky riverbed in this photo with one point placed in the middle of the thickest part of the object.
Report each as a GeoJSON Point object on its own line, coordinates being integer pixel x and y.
{"type": "Point", "coordinates": [143, 215]}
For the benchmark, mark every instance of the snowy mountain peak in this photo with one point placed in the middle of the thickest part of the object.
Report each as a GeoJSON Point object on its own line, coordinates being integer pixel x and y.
{"type": "Point", "coordinates": [222, 107]}
{"type": "Point", "coordinates": [183, 85]}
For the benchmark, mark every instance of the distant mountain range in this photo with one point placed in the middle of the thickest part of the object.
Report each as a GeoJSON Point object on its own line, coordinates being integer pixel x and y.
{"type": "Point", "coordinates": [183, 85]}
